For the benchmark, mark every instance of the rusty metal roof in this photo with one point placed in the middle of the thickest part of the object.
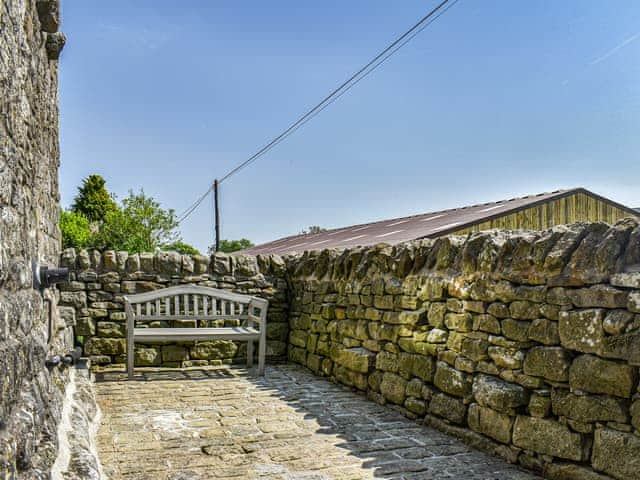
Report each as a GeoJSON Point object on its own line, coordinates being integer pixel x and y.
{"type": "Point", "coordinates": [426, 225]}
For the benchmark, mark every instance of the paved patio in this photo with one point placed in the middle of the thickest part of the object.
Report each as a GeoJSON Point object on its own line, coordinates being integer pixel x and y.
{"type": "Point", "coordinates": [289, 425]}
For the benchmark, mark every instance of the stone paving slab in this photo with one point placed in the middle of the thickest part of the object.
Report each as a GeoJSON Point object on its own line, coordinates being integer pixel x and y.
{"type": "Point", "coordinates": [288, 425]}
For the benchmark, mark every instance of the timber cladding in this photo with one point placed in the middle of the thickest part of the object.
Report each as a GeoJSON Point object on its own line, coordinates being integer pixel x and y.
{"type": "Point", "coordinates": [581, 206]}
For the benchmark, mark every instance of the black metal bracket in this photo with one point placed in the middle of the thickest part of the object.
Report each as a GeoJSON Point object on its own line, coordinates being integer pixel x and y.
{"type": "Point", "coordinates": [45, 277]}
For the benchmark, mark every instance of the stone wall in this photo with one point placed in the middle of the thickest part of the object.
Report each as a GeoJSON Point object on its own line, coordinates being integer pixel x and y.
{"type": "Point", "coordinates": [100, 280]}
{"type": "Point", "coordinates": [524, 344]}
{"type": "Point", "coordinates": [30, 395]}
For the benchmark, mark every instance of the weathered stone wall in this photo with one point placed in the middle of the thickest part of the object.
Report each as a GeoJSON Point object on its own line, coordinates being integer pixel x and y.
{"type": "Point", "coordinates": [30, 395]}
{"type": "Point", "coordinates": [100, 280]}
{"type": "Point", "coordinates": [525, 344]}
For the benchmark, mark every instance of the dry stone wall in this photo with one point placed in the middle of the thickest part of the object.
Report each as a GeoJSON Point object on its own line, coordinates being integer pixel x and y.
{"type": "Point", "coordinates": [100, 280]}
{"type": "Point", "coordinates": [31, 396]}
{"type": "Point", "coordinates": [525, 344]}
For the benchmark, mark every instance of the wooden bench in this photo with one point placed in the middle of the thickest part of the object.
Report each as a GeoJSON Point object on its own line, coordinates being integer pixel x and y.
{"type": "Point", "coordinates": [200, 305]}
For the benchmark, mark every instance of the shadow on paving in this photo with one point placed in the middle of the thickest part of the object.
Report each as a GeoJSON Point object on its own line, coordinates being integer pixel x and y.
{"type": "Point", "coordinates": [344, 435]}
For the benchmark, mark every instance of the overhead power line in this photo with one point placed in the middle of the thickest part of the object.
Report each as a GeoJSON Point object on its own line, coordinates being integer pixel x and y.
{"type": "Point", "coordinates": [374, 63]}
{"type": "Point", "coordinates": [334, 95]}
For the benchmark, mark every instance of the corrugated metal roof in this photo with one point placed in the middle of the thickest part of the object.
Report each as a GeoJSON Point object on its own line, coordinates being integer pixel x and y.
{"type": "Point", "coordinates": [404, 229]}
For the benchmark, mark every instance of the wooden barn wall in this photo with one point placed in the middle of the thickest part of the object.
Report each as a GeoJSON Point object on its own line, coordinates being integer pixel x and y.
{"type": "Point", "coordinates": [578, 207]}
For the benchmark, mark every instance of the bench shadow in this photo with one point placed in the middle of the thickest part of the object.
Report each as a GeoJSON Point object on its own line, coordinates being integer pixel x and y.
{"type": "Point", "coordinates": [164, 374]}
{"type": "Point", "coordinates": [387, 444]}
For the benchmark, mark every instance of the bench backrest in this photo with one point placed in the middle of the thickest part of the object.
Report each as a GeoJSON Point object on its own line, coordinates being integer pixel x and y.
{"type": "Point", "coordinates": [194, 302]}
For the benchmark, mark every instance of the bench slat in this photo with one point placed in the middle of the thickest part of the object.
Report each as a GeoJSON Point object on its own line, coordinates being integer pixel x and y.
{"type": "Point", "coordinates": [179, 334]}
{"type": "Point", "coordinates": [153, 318]}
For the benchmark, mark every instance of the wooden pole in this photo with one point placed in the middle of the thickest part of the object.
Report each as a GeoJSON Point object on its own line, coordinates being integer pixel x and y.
{"type": "Point", "coordinates": [217, 214]}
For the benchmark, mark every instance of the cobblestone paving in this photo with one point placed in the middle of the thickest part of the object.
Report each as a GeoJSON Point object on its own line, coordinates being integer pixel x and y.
{"type": "Point", "coordinates": [289, 425]}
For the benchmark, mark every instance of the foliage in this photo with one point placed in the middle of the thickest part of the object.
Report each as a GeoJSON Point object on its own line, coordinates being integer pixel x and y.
{"type": "Point", "coordinates": [93, 200]}
{"type": "Point", "coordinates": [228, 246]}
{"type": "Point", "coordinates": [313, 229]}
{"type": "Point", "coordinates": [181, 247]}
{"type": "Point", "coordinates": [141, 225]}
{"type": "Point", "coordinates": [75, 229]}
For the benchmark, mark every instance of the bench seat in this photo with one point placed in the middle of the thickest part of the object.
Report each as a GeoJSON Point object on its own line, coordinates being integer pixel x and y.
{"type": "Point", "coordinates": [195, 334]}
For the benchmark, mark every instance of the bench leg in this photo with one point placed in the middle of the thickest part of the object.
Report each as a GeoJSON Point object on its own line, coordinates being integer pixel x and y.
{"type": "Point", "coordinates": [130, 356]}
{"type": "Point", "coordinates": [250, 354]}
{"type": "Point", "coordinates": [262, 350]}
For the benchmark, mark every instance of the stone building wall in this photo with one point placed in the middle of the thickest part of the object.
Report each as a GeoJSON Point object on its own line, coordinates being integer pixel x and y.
{"type": "Point", "coordinates": [525, 344]}
{"type": "Point", "coordinates": [30, 395]}
{"type": "Point", "coordinates": [100, 280]}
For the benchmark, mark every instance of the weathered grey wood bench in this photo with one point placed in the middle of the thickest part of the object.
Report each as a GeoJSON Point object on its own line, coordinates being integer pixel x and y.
{"type": "Point", "coordinates": [199, 305]}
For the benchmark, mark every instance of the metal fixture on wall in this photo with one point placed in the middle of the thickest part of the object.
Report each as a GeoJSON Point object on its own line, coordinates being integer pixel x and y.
{"type": "Point", "coordinates": [45, 277]}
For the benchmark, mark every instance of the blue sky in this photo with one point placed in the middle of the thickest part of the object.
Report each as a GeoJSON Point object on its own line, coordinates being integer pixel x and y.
{"type": "Point", "coordinates": [495, 99]}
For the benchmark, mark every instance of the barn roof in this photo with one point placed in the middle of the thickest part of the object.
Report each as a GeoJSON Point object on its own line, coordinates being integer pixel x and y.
{"type": "Point", "coordinates": [425, 225]}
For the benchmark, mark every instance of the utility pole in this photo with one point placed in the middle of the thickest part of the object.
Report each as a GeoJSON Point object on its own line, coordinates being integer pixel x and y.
{"type": "Point", "coordinates": [217, 214]}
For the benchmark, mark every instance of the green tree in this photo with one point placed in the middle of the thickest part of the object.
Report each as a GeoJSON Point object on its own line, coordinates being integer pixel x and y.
{"type": "Point", "coordinates": [141, 225]}
{"type": "Point", "coordinates": [75, 229]}
{"type": "Point", "coordinates": [93, 200]}
{"type": "Point", "coordinates": [181, 247]}
{"type": "Point", "coordinates": [228, 246]}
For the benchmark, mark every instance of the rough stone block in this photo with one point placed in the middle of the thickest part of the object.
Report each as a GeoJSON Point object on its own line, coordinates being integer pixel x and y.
{"type": "Point", "coordinates": [595, 375]}
{"type": "Point", "coordinates": [588, 408]}
{"type": "Point", "coordinates": [436, 314]}
{"type": "Point", "coordinates": [387, 362]}
{"type": "Point", "coordinates": [505, 357]}
{"type": "Point", "coordinates": [147, 356]}
{"type": "Point", "coordinates": [298, 338]}
{"type": "Point", "coordinates": [451, 408]}
{"type": "Point", "coordinates": [86, 326]}
{"type": "Point", "coordinates": [356, 359]}
{"type": "Point", "coordinates": [73, 299]}
{"type": "Point", "coordinates": [498, 394]}
{"type": "Point", "coordinates": [540, 405]}
{"type": "Point", "coordinates": [616, 322]}
{"type": "Point", "coordinates": [582, 330]}
{"type": "Point", "coordinates": [105, 346]}
{"type": "Point", "coordinates": [486, 323]}
{"type": "Point", "coordinates": [544, 331]}
{"type": "Point", "coordinates": [393, 387]}
{"type": "Point", "coordinates": [174, 353]}
{"type": "Point", "coordinates": [524, 310]}
{"type": "Point", "coordinates": [460, 322]}
{"type": "Point", "coordinates": [111, 329]}
{"type": "Point", "coordinates": [598, 296]}
{"type": "Point", "coordinates": [551, 363]}
{"type": "Point", "coordinates": [515, 330]}
{"type": "Point", "coordinates": [416, 365]}
{"type": "Point", "coordinates": [452, 381]}
{"type": "Point", "coordinates": [415, 405]}
{"type": "Point", "coordinates": [629, 280]}
{"type": "Point", "coordinates": [547, 437]}
{"type": "Point", "coordinates": [474, 346]}
{"type": "Point", "coordinates": [349, 377]}
{"type": "Point", "coordinates": [213, 350]}
{"type": "Point", "coordinates": [490, 423]}
{"type": "Point", "coordinates": [616, 453]}
{"type": "Point", "coordinates": [633, 305]}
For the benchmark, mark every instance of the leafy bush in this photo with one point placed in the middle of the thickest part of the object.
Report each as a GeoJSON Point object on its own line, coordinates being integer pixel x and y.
{"type": "Point", "coordinates": [181, 247]}
{"type": "Point", "coordinates": [75, 229]}
{"type": "Point", "coordinates": [228, 246]}
{"type": "Point", "coordinates": [140, 225]}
